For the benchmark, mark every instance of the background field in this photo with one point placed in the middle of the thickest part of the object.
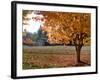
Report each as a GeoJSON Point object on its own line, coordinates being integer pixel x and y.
{"type": "Point", "coordinates": [53, 56]}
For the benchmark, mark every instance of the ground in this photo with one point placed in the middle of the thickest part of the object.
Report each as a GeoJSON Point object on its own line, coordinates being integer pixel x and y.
{"type": "Point", "coordinates": [54, 57]}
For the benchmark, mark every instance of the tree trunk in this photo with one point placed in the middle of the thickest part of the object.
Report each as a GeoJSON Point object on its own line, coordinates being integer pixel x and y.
{"type": "Point", "coordinates": [78, 50]}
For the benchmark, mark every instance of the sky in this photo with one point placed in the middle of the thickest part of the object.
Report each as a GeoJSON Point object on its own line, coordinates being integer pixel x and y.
{"type": "Point", "coordinates": [33, 25]}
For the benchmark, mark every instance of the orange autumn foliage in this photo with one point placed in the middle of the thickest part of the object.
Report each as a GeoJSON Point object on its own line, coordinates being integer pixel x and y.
{"type": "Point", "coordinates": [63, 27]}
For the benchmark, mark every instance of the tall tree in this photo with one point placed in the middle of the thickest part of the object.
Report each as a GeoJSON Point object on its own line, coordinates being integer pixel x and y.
{"type": "Point", "coordinates": [63, 27]}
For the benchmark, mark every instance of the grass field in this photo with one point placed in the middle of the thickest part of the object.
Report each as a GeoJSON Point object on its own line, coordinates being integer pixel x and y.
{"type": "Point", "coordinates": [53, 56]}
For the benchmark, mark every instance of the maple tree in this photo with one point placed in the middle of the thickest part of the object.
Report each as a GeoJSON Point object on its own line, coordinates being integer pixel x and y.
{"type": "Point", "coordinates": [65, 27]}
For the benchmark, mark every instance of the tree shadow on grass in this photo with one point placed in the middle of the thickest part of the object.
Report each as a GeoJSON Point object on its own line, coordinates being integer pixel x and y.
{"type": "Point", "coordinates": [81, 63]}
